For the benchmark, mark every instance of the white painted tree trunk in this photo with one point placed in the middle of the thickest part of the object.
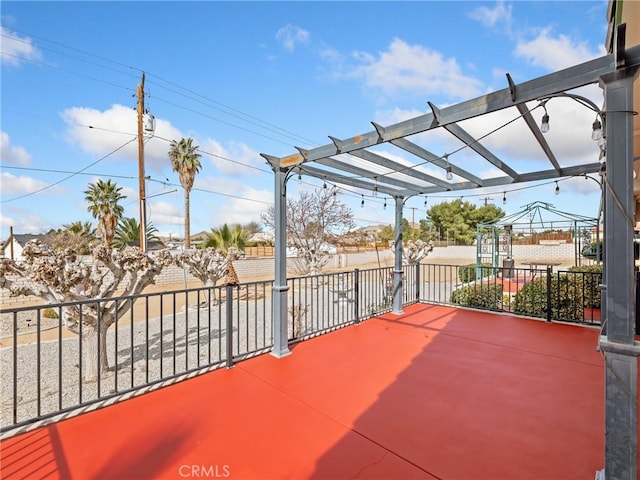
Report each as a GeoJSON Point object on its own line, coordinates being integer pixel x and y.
{"type": "Point", "coordinates": [95, 361]}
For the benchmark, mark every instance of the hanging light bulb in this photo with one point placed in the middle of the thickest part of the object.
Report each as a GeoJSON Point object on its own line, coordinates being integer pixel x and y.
{"type": "Point", "coordinates": [425, 201]}
{"type": "Point", "coordinates": [324, 185]}
{"type": "Point", "coordinates": [596, 134]}
{"type": "Point", "coordinates": [375, 187]}
{"type": "Point", "coordinates": [544, 126]}
{"type": "Point", "coordinates": [557, 188]}
{"type": "Point", "coordinates": [299, 177]}
{"type": "Point", "coordinates": [362, 202]}
{"type": "Point", "coordinates": [504, 198]}
{"type": "Point", "coordinates": [385, 204]}
{"type": "Point", "coordinates": [449, 174]}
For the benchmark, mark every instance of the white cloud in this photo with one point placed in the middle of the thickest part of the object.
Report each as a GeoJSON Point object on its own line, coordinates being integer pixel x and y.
{"type": "Point", "coordinates": [554, 52]}
{"type": "Point", "coordinates": [19, 185]}
{"type": "Point", "coordinates": [16, 49]}
{"type": "Point", "coordinates": [291, 36]}
{"type": "Point", "coordinates": [167, 214]}
{"type": "Point", "coordinates": [234, 159]}
{"type": "Point", "coordinates": [112, 128]}
{"type": "Point", "coordinates": [13, 155]}
{"type": "Point", "coordinates": [118, 125]}
{"type": "Point", "coordinates": [413, 68]}
{"type": "Point", "coordinates": [23, 221]}
{"type": "Point", "coordinates": [491, 17]}
{"type": "Point", "coordinates": [246, 204]}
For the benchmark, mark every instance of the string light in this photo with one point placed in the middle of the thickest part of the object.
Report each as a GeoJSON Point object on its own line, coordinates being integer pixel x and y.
{"type": "Point", "coordinates": [449, 175]}
{"type": "Point", "coordinates": [596, 134]}
{"type": "Point", "coordinates": [557, 188]}
{"type": "Point", "coordinates": [425, 201]}
{"type": "Point", "coordinates": [375, 187]}
{"type": "Point", "coordinates": [299, 177]}
{"type": "Point", "coordinates": [544, 126]}
{"type": "Point", "coordinates": [324, 184]}
{"type": "Point", "coordinates": [362, 202]}
{"type": "Point", "coordinates": [504, 198]}
{"type": "Point", "coordinates": [385, 204]}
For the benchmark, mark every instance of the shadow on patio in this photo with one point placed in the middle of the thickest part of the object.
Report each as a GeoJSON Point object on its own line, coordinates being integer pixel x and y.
{"type": "Point", "coordinates": [434, 393]}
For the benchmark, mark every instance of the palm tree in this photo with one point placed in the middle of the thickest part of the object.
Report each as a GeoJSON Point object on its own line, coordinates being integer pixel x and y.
{"type": "Point", "coordinates": [82, 235]}
{"type": "Point", "coordinates": [103, 198]}
{"type": "Point", "coordinates": [186, 161]}
{"type": "Point", "coordinates": [128, 232]}
{"type": "Point", "coordinates": [80, 228]}
{"type": "Point", "coordinates": [225, 237]}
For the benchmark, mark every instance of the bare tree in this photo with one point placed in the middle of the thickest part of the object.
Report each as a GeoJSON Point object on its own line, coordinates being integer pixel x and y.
{"type": "Point", "coordinates": [209, 264]}
{"type": "Point", "coordinates": [312, 221]}
{"type": "Point", "coordinates": [416, 250]}
{"type": "Point", "coordinates": [61, 276]}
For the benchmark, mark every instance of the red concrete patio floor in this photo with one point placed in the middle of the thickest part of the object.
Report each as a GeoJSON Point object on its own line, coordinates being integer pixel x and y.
{"type": "Point", "coordinates": [434, 393]}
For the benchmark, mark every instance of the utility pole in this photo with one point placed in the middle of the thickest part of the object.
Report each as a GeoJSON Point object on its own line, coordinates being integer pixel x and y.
{"type": "Point", "coordinates": [486, 200]}
{"type": "Point", "coordinates": [141, 179]}
{"type": "Point", "coordinates": [413, 222]}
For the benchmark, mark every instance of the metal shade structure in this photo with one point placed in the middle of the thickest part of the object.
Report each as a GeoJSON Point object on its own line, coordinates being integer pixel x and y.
{"type": "Point", "coordinates": [358, 162]}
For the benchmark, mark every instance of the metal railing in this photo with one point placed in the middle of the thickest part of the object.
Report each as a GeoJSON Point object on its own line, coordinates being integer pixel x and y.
{"type": "Point", "coordinates": [165, 337]}
{"type": "Point", "coordinates": [570, 296]}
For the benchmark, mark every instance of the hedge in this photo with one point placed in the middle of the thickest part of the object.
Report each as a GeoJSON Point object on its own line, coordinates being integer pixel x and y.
{"type": "Point", "coordinates": [467, 273]}
{"type": "Point", "coordinates": [486, 296]}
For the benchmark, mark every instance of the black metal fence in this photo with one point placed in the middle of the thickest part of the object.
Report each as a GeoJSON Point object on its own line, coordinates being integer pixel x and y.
{"type": "Point", "coordinates": [570, 296]}
{"type": "Point", "coordinates": [164, 337]}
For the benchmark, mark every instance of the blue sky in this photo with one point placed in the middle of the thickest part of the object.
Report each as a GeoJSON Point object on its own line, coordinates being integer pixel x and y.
{"type": "Point", "coordinates": [244, 78]}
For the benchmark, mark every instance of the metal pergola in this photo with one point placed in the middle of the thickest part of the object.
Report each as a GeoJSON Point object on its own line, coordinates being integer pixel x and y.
{"type": "Point", "coordinates": [355, 162]}
{"type": "Point", "coordinates": [494, 240]}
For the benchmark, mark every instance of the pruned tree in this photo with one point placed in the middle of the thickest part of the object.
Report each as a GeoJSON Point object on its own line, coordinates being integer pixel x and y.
{"type": "Point", "coordinates": [415, 250]}
{"type": "Point", "coordinates": [61, 276]}
{"type": "Point", "coordinates": [209, 264]}
{"type": "Point", "coordinates": [312, 221]}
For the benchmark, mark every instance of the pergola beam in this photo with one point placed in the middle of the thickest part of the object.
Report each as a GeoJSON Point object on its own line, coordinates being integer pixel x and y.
{"type": "Point", "coordinates": [430, 157]}
{"type": "Point", "coordinates": [382, 177]}
{"type": "Point", "coordinates": [354, 182]}
{"type": "Point", "coordinates": [473, 143]}
{"type": "Point", "coordinates": [568, 79]}
{"type": "Point", "coordinates": [535, 130]}
{"type": "Point", "coordinates": [408, 170]}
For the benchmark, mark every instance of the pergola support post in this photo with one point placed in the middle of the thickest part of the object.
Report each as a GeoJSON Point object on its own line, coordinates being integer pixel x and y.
{"type": "Point", "coordinates": [620, 350]}
{"type": "Point", "coordinates": [397, 268]}
{"type": "Point", "coordinates": [280, 287]}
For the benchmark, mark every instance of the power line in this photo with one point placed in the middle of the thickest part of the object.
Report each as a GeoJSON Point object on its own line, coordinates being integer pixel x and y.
{"type": "Point", "coordinates": [68, 177]}
{"type": "Point", "coordinates": [220, 106]}
{"type": "Point", "coordinates": [108, 175]}
{"type": "Point", "coordinates": [53, 67]}
{"type": "Point", "coordinates": [237, 162]}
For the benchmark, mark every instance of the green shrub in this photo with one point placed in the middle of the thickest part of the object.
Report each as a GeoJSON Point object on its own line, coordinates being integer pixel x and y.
{"type": "Point", "coordinates": [467, 273]}
{"type": "Point", "coordinates": [588, 284]}
{"type": "Point", "coordinates": [49, 313]}
{"type": "Point", "coordinates": [566, 298]}
{"type": "Point", "coordinates": [486, 296]}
